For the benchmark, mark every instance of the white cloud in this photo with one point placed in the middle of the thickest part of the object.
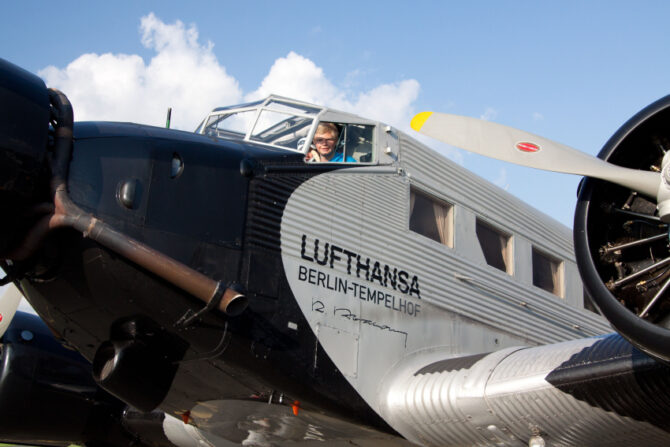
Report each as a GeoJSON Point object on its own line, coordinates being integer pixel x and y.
{"type": "Point", "coordinates": [186, 75]}
{"type": "Point", "coordinates": [390, 103]}
{"type": "Point", "coordinates": [297, 77]}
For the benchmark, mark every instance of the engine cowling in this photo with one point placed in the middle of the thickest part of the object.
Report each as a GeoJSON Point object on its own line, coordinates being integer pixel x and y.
{"type": "Point", "coordinates": [622, 247]}
{"type": "Point", "coordinates": [48, 397]}
{"type": "Point", "coordinates": [24, 126]}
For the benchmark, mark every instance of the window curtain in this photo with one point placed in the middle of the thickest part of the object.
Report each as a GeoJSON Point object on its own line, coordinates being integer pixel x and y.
{"type": "Point", "coordinates": [504, 247]}
{"type": "Point", "coordinates": [441, 214]}
{"type": "Point", "coordinates": [556, 276]}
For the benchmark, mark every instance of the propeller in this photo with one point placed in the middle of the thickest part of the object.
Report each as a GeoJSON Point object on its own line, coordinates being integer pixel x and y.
{"type": "Point", "coordinates": [523, 148]}
{"type": "Point", "coordinates": [8, 305]}
{"type": "Point", "coordinates": [622, 250]}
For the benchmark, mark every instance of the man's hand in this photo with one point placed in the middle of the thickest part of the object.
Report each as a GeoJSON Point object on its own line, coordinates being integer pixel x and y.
{"type": "Point", "coordinates": [312, 156]}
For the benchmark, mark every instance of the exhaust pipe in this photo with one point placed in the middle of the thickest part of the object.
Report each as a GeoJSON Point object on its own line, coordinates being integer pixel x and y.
{"type": "Point", "coordinates": [24, 141]}
{"type": "Point", "coordinates": [138, 363]}
{"type": "Point", "coordinates": [134, 372]}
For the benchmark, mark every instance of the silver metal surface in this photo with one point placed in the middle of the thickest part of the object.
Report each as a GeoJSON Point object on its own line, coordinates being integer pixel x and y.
{"type": "Point", "coordinates": [368, 214]}
{"type": "Point", "coordinates": [509, 391]}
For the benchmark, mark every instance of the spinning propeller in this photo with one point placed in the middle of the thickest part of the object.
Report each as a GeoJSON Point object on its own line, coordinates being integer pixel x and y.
{"type": "Point", "coordinates": [621, 233]}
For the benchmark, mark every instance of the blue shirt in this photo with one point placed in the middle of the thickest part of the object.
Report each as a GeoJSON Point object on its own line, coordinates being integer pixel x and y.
{"type": "Point", "coordinates": [338, 158]}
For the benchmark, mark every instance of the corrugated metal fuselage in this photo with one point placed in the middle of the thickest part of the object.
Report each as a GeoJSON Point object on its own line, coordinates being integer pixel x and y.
{"type": "Point", "coordinates": [220, 214]}
{"type": "Point", "coordinates": [341, 293]}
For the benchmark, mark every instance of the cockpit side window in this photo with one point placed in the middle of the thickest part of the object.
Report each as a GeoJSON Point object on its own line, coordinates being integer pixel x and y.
{"type": "Point", "coordinates": [342, 143]}
{"type": "Point", "coordinates": [277, 123]}
{"type": "Point", "coordinates": [232, 125]}
{"type": "Point", "coordinates": [280, 129]}
{"type": "Point", "coordinates": [359, 142]}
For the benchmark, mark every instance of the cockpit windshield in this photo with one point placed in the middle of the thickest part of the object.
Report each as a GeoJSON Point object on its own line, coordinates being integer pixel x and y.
{"type": "Point", "coordinates": [276, 122]}
{"type": "Point", "coordinates": [289, 124]}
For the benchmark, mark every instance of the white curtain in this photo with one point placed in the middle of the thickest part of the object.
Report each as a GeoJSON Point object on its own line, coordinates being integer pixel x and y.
{"type": "Point", "coordinates": [556, 277]}
{"type": "Point", "coordinates": [442, 222]}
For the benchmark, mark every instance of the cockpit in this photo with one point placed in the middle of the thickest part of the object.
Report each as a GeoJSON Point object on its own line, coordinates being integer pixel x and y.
{"type": "Point", "coordinates": [290, 124]}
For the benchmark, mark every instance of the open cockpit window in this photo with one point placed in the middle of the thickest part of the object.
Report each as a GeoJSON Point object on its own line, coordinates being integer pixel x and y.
{"type": "Point", "coordinates": [431, 217]}
{"type": "Point", "coordinates": [341, 143]}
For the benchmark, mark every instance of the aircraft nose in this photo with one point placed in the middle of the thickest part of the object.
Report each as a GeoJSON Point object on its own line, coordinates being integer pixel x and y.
{"type": "Point", "coordinates": [24, 128]}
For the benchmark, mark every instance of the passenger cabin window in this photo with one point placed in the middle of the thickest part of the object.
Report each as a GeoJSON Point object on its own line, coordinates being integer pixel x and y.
{"type": "Point", "coordinates": [341, 143]}
{"type": "Point", "coordinates": [431, 217]}
{"type": "Point", "coordinates": [496, 246]}
{"type": "Point", "coordinates": [547, 273]}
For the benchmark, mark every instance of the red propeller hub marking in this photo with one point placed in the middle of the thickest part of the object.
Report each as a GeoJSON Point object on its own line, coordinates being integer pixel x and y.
{"type": "Point", "coordinates": [527, 147]}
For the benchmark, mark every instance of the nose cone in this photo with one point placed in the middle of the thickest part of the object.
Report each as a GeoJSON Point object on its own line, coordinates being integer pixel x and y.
{"type": "Point", "coordinates": [24, 125]}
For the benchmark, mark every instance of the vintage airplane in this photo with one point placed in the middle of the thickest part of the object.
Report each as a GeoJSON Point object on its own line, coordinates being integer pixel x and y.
{"type": "Point", "coordinates": [227, 292]}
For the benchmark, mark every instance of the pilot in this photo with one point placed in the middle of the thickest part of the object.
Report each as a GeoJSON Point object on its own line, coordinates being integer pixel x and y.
{"type": "Point", "coordinates": [323, 147]}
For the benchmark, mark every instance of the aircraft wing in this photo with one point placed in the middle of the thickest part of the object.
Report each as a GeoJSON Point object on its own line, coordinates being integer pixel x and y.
{"type": "Point", "coordinates": [592, 391]}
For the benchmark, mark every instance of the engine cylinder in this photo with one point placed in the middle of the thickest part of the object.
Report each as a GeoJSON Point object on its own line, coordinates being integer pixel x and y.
{"type": "Point", "coordinates": [621, 245]}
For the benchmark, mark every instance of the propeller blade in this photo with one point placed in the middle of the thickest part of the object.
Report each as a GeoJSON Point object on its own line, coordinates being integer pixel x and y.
{"type": "Point", "coordinates": [523, 148]}
{"type": "Point", "coordinates": [8, 305]}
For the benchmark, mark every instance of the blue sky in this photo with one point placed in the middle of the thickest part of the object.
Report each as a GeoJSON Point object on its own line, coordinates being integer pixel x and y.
{"type": "Point", "coordinates": [570, 71]}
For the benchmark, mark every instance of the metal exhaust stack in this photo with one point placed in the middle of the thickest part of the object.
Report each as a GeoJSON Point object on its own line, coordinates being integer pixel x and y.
{"type": "Point", "coordinates": [34, 196]}
{"type": "Point", "coordinates": [234, 302]}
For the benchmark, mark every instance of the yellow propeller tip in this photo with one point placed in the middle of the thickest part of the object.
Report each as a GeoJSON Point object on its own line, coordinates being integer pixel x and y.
{"type": "Point", "coordinates": [419, 120]}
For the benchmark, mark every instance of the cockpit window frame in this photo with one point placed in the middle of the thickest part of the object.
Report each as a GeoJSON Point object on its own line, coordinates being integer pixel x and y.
{"type": "Point", "coordinates": [343, 127]}
{"type": "Point", "coordinates": [266, 105]}
{"type": "Point", "coordinates": [315, 113]}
